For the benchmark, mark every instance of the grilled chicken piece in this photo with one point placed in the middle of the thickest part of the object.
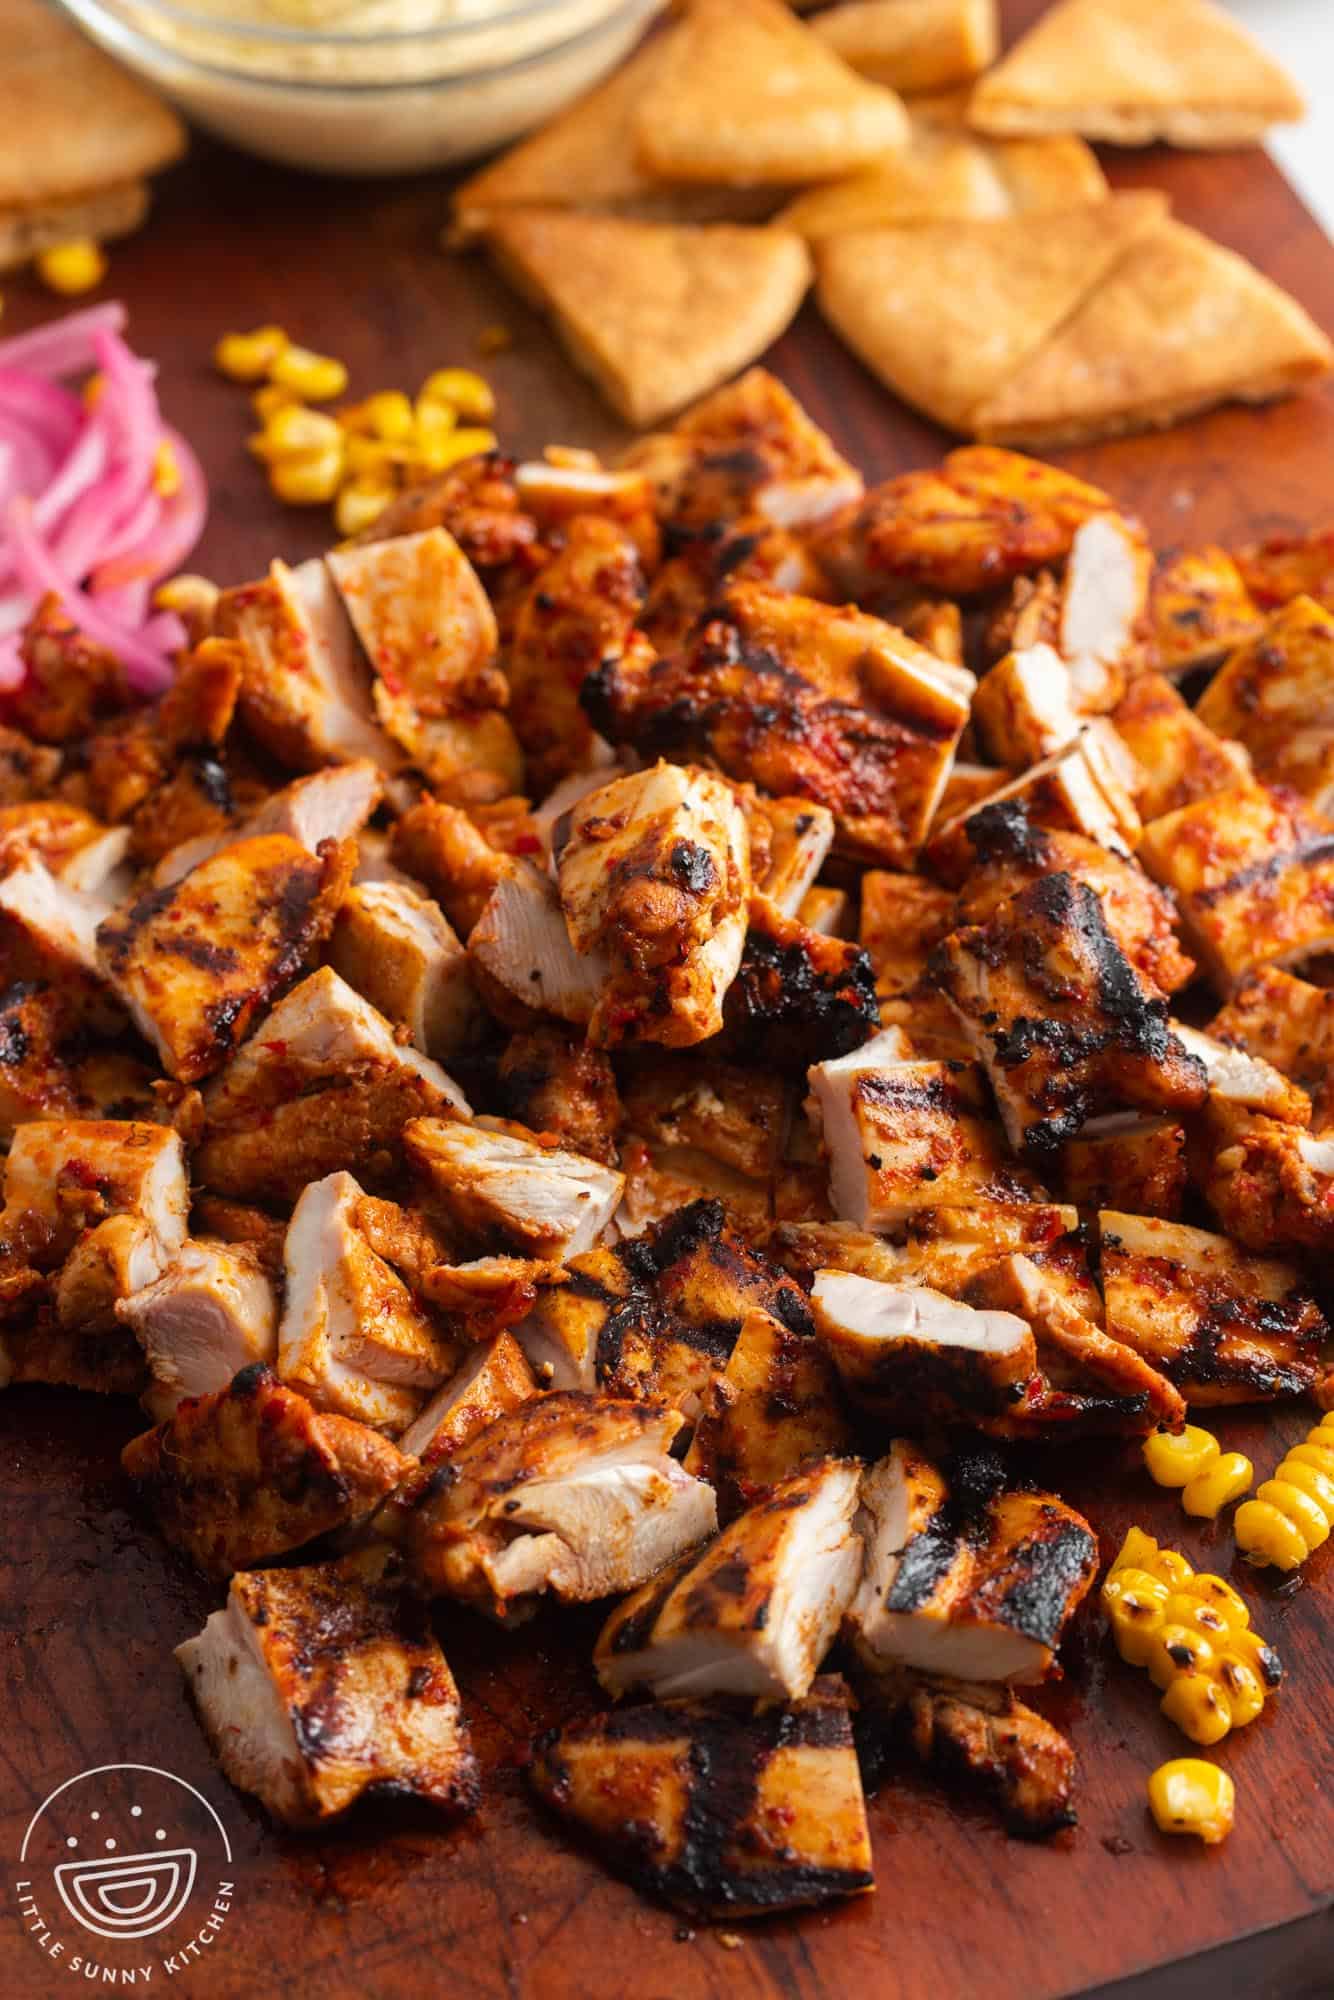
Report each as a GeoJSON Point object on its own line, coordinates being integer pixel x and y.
{"type": "Point", "coordinates": [602, 1327]}
{"type": "Point", "coordinates": [661, 1180]}
{"type": "Point", "coordinates": [393, 945]}
{"type": "Point", "coordinates": [800, 836]}
{"type": "Point", "coordinates": [1104, 598]}
{"type": "Point", "coordinates": [748, 550]}
{"type": "Point", "coordinates": [332, 804]}
{"type": "Point", "coordinates": [322, 1084]}
{"type": "Point", "coordinates": [710, 1276]}
{"type": "Point", "coordinates": [805, 700]}
{"type": "Point", "coordinates": [756, 1611]}
{"type": "Point", "coordinates": [1179, 756]}
{"type": "Point", "coordinates": [36, 1081]}
{"type": "Point", "coordinates": [1075, 791]}
{"type": "Point", "coordinates": [748, 448]}
{"type": "Point", "coordinates": [567, 484]}
{"type": "Point", "coordinates": [71, 683]}
{"type": "Point", "coordinates": [991, 1740]}
{"type": "Point", "coordinates": [903, 919]}
{"type": "Point", "coordinates": [196, 963]}
{"type": "Point", "coordinates": [505, 1190]}
{"type": "Point", "coordinates": [1289, 1023]}
{"type": "Point", "coordinates": [1199, 609]}
{"type": "Point", "coordinates": [902, 1135]}
{"type": "Point", "coordinates": [477, 500]}
{"type": "Point", "coordinates": [28, 770]}
{"type": "Point", "coordinates": [317, 1687]}
{"type": "Point", "coordinates": [440, 846]}
{"type": "Point", "coordinates": [1223, 1326]}
{"type": "Point", "coordinates": [654, 874]}
{"type": "Point", "coordinates": [213, 1312]}
{"type": "Point", "coordinates": [1126, 1160]}
{"type": "Point", "coordinates": [572, 1494]}
{"type": "Point", "coordinates": [1025, 707]}
{"type": "Point", "coordinates": [494, 1378]}
{"type": "Point", "coordinates": [48, 937]}
{"type": "Point", "coordinates": [721, 1813]}
{"type": "Point", "coordinates": [948, 1248]}
{"type": "Point", "coordinates": [579, 612]}
{"type": "Point", "coordinates": [1270, 1185]}
{"type": "Point", "coordinates": [68, 841]}
{"type": "Point", "coordinates": [248, 1474]}
{"type": "Point", "coordinates": [523, 958]}
{"type": "Point", "coordinates": [557, 1085]}
{"type": "Point", "coordinates": [798, 995]}
{"type": "Point", "coordinates": [906, 1351]}
{"type": "Point", "coordinates": [964, 1577]}
{"type": "Point", "coordinates": [984, 517]}
{"type": "Point", "coordinates": [736, 1116]}
{"type": "Point", "coordinates": [1246, 1081]}
{"type": "Point", "coordinates": [1286, 566]}
{"type": "Point", "coordinates": [352, 1336]}
{"type": "Point", "coordinates": [826, 911]}
{"type": "Point", "coordinates": [1253, 874]}
{"type": "Point", "coordinates": [306, 692]}
{"type": "Point", "coordinates": [1063, 1023]}
{"type": "Point", "coordinates": [1010, 851]}
{"type": "Point", "coordinates": [1275, 694]}
{"type": "Point", "coordinates": [237, 1223]}
{"type": "Point", "coordinates": [774, 1408]}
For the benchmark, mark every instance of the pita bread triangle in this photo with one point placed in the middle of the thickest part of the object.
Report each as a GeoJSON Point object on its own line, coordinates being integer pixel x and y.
{"type": "Point", "coordinates": [1180, 325]}
{"type": "Point", "coordinates": [946, 312]}
{"type": "Point", "coordinates": [656, 313]}
{"type": "Point", "coordinates": [1134, 71]}
{"type": "Point", "coordinates": [748, 96]}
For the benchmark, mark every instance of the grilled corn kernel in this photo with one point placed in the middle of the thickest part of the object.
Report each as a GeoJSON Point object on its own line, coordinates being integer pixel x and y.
{"type": "Point", "coordinates": [194, 598]}
{"type": "Point", "coordinates": [1193, 1635]}
{"type": "Point", "coordinates": [1175, 1461]}
{"type": "Point", "coordinates": [73, 267]}
{"type": "Point", "coordinates": [1221, 1482]}
{"type": "Point", "coordinates": [372, 458]}
{"type": "Point", "coordinates": [166, 471]}
{"type": "Point", "coordinates": [296, 429]}
{"type": "Point", "coordinates": [432, 420]}
{"type": "Point", "coordinates": [248, 357]}
{"type": "Point", "coordinates": [437, 454]}
{"type": "Point", "coordinates": [304, 479]}
{"type": "Point", "coordinates": [359, 503]}
{"type": "Point", "coordinates": [468, 394]}
{"type": "Point", "coordinates": [317, 377]}
{"type": "Point", "coordinates": [1292, 1513]}
{"type": "Point", "coordinates": [1192, 1796]}
{"type": "Point", "coordinates": [268, 400]}
{"type": "Point", "coordinates": [389, 415]}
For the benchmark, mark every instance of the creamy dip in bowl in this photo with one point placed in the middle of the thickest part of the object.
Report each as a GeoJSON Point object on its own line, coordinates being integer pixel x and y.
{"type": "Point", "coordinates": [368, 86]}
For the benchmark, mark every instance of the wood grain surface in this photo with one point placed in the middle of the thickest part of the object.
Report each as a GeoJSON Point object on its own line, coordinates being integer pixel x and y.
{"type": "Point", "coordinates": [503, 1907]}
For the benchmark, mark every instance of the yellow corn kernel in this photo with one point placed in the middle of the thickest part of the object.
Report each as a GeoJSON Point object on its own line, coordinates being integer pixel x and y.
{"type": "Point", "coordinates": [431, 420]}
{"type": "Point", "coordinates": [317, 377]}
{"type": "Point", "coordinates": [468, 394]}
{"type": "Point", "coordinates": [1225, 1480]}
{"type": "Point", "coordinates": [389, 415]}
{"type": "Point", "coordinates": [269, 399]}
{"type": "Point", "coordinates": [248, 357]}
{"type": "Point", "coordinates": [1190, 1795]}
{"type": "Point", "coordinates": [1199, 1706]}
{"type": "Point", "coordinates": [194, 598]}
{"type": "Point", "coordinates": [306, 479]}
{"type": "Point", "coordinates": [1135, 1603]}
{"type": "Point", "coordinates": [297, 429]}
{"type": "Point", "coordinates": [1213, 1590]}
{"type": "Point", "coordinates": [1292, 1513]}
{"type": "Point", "coordinates": [359, 503]}
{"type": "Point", "coordinates": [1178, 1650]}
{"type": "Point", "coordinates": [1137, 1551]}
{"type": "Point", "coordinates": [1244, 1688]}
{"type": "Point", "coordinates": [437, 454]}
{"type": "Point", "coordinates": [1174, 1461]}
{"type": "Point", "coordinates": [73, 267]}
{"type": "Point", "coordinates": [166, 471]}
{"type": "Point", "coordinates": [372, 458]}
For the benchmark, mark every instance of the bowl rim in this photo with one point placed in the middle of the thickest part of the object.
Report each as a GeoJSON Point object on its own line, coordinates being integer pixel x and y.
{"type": "Point", "coordinates": [107, 23]}
{"type": "Point", "coordinates": [280, 36]}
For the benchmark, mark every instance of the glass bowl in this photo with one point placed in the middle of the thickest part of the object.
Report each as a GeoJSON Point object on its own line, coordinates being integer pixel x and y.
{"type": "Point", "coordinates": [419, 84]}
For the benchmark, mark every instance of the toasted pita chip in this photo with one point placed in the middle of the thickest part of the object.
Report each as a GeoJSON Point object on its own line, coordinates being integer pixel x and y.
{"type": "Point", "coordinates": [1180, 325]}
{"type": "Point", "coordinates": [749, 96]}
{"type": "Point", "coordinates": [655, 314]}
{"type": "Point", "coordinates": [586, 159]}
{"type": "Point", "coordinates": [913, 44]}
{"type": "Point", "coordinates": [1134, 71]}
{"type": "Point", "coordinates": [72, 123]}
{"type": "Point", "coordinates": [946, 312]}
{"type": "Point", "coordinates": [26, 232]}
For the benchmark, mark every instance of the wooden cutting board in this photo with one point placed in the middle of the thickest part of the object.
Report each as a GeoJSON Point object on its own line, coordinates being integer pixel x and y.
{"type": "Point", "coordinates": [503, 1907]}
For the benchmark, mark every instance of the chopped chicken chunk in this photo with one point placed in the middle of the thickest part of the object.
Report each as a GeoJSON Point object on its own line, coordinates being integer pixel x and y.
{"type": "Point", "coordinates": [440, 846]}
{"type": "Point", "coordinates": [903, 919]}
{"type": "Point", "coordinates": [723, 1815]}
{"type": "Point", "coordinates": [48, 936]}
{"type": "Point", "coordinates": [318, 1687]}
{"type": "Point", "coordinates": [494, 1378]}
{"type": "Point", "coordinates": [212, 1313]}
{"type": "Point", "coordinates": [555, 1084]}
{"type": "Point", "coordinates": [1128, 1161]}
{"type": "Point", "coordinates": [800, 837]}
{"type": "Point", "coordinates": [985, 1736]}
{"type": "Point", "coordinates": [963, 1576]}
{"type": "Point", "coordinates": [393, 945]}
{"type": "Point", "coordinates": [1199, 608]}
{"type": "Point", "coordinates": [566, 486]}
{"type": "Point", "coordinates": [332, 804]}
{"type": "Point", "coordinates": [525, 962]}
{"type": "Point", "coordinates": [1104, 597]}
{"type": "Point", "coordinates": [1025, 707]}
{"type": "Point", "coordinates": [756, 1611]}
{"type": "Point", "coordinates": [910, 1351]}
{"type": "Point", "coordinates": [572, 1494]}
{"type": "Point", "coordinates": [250, 1473]}
{"type": "Point", "coordinates": [510, 1192]}
{"type": "Point", "coordinates": [737, 1116]}
{"type": "Point", "coordinates": [798, 994]}
{"type": "Point", "coordinates": [1248, 1081]}
{"type": "Point", "coordinates": [1224, 1326]}
{"type": "Point", "coordinates": [1289, 1023]}
{"type": "Point", "coordinates": [352, 1336]}
{"type": "Point", "coordinates": [1275, 694]}
{"type": "Point", "coordinates": [1179, 756]}
{"type": "Point", "coordinates": [774, 1408]}
{"type": "Point", "coordinates": [1270, 1185]}
{"type": "Point", "coordinates": [1074, 791]}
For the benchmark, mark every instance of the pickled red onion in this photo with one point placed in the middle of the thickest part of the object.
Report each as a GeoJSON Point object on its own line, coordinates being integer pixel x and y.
{"type": "Point", "coordinates": [81, 516]}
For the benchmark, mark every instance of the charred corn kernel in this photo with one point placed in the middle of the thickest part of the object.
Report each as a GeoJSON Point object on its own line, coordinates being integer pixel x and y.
{"type": "Point", "coordinates": [1190, 1795]}
{"type": "Point", "coordinates": [1175, 1460]}
{"type": "Point", "coordinates": [248, 357]}
{"type": "Point", "coordinates": [466, 392]}
{"type": "Point", "coordinates": [268, 400]}
{"type": "Point", "coordinates": [73, 267]}
{"type": "Point", "coordinates": [304, 479]}
{"type": "Point", "coordinates": [1292, 1513]}
{"type": "Point", "coordinates": [359, 503]}
{"type": "Point", "coordinates": [372, 458]}
{"type": "Point", "coordinates": [1221, 1482]}
{"type": "Point", "coordinates": [317, 377]}
{"type": "Point", "coordinates": [297, 429]}
{"type": "Point", "coordinates": [1192, 1633]}
{"type": "Point", "coordinates": [166, 471]}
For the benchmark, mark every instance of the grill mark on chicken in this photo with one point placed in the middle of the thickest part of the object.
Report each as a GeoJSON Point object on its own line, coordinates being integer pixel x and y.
{"type": "Point", "coordinates": [798, 995]}
{"type": "Point", "coordinates": [1303, 853]}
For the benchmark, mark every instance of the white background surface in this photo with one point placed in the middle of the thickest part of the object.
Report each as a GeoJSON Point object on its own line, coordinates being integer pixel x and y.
{"type": "Point", "coordinates": [1301, 34]}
